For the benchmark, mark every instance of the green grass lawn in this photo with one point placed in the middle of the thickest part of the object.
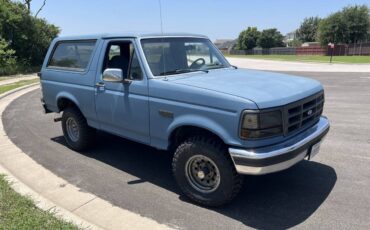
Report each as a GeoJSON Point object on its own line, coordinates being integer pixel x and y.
{"type": "Point", "coordinates": [18, 212]}
{"type": "Point", "coordinates": [7, 87]}
{"type": "Point", "coordinates": [310, 58]}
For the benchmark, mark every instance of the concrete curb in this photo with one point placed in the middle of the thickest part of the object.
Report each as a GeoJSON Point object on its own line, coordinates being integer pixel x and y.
{"type": "Point", "coordinates": [15, 79]}
{"type": "Point", "coordinates": [54, 193]}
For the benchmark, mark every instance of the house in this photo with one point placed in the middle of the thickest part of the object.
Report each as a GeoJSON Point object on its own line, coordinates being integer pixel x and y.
{"type": "Point", "coordinates": [289, 37]}
{"type": "Point", "coordinates": [225, 45]}
{"type": "Point", "coordinates": [311, 44]}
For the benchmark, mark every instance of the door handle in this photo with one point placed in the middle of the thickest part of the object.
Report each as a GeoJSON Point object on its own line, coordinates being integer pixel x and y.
{"type": "Point", "coordinates": [100, 84]}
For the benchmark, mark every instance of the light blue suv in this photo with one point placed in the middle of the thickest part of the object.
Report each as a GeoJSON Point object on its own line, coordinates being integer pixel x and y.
{"type": "Point", "coordinates": [177, 92]}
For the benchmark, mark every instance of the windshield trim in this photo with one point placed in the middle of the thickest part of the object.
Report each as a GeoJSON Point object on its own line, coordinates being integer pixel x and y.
{"type": "Point", "coordinates": [227, 66]}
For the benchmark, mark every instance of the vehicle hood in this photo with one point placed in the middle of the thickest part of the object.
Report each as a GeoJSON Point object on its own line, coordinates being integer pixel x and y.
{"type": "Point", "coordinates": [266, 89]}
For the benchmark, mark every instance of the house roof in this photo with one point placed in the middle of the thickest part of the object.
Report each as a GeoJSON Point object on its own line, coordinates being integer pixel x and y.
{"type": "Point", "coordinates": [228, 43]}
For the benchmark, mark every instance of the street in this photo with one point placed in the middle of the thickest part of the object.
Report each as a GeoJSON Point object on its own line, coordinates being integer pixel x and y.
{"type": "Point", "coordinates": [331, 191]}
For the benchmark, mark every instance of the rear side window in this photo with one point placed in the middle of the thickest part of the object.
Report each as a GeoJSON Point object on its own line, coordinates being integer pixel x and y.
{"type": "Point", "coordinates": [73, 56]}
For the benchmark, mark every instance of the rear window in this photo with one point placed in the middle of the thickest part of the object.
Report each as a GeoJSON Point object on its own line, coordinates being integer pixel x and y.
{"type": "Point", "coordinates": [72, 55]}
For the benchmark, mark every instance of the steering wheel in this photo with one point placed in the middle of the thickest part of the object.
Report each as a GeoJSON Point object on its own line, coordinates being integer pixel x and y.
{"type": "Point", "coordinates": [197, 63]}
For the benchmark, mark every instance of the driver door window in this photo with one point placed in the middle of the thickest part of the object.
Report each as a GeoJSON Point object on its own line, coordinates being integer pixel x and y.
{"type": "Point", "coordinates": [122, 55]}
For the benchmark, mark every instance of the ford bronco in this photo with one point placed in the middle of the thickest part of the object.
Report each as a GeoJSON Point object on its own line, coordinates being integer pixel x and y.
{"type": "Point", "coordinates": [177, 92]}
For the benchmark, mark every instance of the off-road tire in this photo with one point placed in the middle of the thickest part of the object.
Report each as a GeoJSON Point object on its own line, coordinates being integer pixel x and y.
{"type": "Point", "coordinates": [86, 133]}
{"type": "Point", "coordinates": [230, 181]}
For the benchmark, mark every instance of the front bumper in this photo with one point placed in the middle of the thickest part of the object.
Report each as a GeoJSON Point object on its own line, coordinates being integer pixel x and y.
{"type": "Point", "coordinates": [281, 156]}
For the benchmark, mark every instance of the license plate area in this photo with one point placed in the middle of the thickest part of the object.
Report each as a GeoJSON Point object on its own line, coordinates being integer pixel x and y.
{"type": "Point", "coordinates": [314, 150]}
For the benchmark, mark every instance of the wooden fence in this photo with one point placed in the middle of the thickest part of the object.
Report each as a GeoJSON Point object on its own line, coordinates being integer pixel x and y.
{"type": "Point", "coordinates": [339, 50]}
{"type": "Point", "coordinates": [358, 49]}
{"type": "Point", "coordinates": [315, 50]}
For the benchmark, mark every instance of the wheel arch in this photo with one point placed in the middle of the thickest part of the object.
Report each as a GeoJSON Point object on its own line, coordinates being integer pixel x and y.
{"type": "Point", "coordinates": [65, 100]}
{"type": "Point", "coordinates": [187, 127]}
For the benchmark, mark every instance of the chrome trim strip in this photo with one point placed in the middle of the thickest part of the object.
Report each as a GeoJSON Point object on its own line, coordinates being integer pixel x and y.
{"type": "Point", "coordinates": [272, 151]}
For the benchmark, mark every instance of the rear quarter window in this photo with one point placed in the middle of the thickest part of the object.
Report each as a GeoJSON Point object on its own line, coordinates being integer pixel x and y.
{"type": "Point", "coordinates": [73, 56]}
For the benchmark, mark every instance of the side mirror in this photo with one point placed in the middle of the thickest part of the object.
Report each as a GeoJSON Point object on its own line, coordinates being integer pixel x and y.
{"type": "Point", "coordinates": [115, 75]}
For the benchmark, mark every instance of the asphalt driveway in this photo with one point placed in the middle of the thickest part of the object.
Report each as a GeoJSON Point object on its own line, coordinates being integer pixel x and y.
{"type": "Point", "coordinates": [332, 191]}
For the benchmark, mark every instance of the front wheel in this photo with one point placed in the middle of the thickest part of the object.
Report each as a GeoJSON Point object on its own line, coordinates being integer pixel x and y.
{"type": "Point", "coordinates": [77, 133]}
{"type": "Point", "coordinates": [205, 172]}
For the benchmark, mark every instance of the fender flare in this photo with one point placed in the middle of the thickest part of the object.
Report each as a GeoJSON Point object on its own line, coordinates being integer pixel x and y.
{"type": "Point", "coordinates": [200, 122]}
{"type": "Point", "coordinates": [66, 95]}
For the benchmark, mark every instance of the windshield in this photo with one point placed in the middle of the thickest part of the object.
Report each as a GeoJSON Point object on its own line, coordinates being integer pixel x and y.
{"type": "Point", "coordinates": [168, 56]}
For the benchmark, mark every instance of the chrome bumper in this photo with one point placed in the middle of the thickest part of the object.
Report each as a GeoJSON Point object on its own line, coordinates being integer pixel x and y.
{"type": "Point", "coordinates": [281, 156]}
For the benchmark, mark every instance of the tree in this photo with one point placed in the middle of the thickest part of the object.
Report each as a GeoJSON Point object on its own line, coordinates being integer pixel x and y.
{"type": "Point", "coordinates": [332, 29]}
{"type": "Point", "coordinates": [27, 3]}
{"type": "Point", "coordinates": [308, 29]}
{"type": "Point", "coordinates": [7, 58]}
{"type": "Point", "coordinates": [357, 22]}
{"type": "Point", "coordinates": [28, 36]}
{"type": "Point", "coordinates": [294, 43]}
{"type": "Point", "coordinates": [41, 7]}
{"type": "Point", "coordinates": [270, 38]}
{"type": "Point", "coordinates": [248, 38]}
{"type": "Point", "coordinates": [347, 26]}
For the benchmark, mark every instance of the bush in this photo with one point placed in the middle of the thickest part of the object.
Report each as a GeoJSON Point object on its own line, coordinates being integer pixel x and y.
{"type": "Point", "coordinates": [7, 59]}
{"type": "Point", "coordinates": [295, 43]}
{"type": "Point", "coordinates": [270, 38]}
{"type": "Point", "coordinates": [248, 39]}
{"type": "Point", "coordinates": [27, 38]}
{"type": "Point", "coordinates": [9, 64]}
{"type": "Point", "coordinates": [307, 32]}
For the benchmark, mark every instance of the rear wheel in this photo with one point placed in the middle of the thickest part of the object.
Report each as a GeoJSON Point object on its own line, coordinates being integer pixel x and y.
{"type": "Point", "coordinates": [77, 133]}
{"type": "Point", "coordinates": [205, 172]}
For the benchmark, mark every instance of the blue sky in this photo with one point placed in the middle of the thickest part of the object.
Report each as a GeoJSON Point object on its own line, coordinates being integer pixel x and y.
{"type": "Point", "coordinates": [214, 18]}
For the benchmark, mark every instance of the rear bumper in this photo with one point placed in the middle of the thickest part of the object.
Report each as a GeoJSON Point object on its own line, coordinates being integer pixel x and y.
{"type": "Point", "coordinates": [46, 110]}
{"type": "Point", "coordinates": [281, 156]}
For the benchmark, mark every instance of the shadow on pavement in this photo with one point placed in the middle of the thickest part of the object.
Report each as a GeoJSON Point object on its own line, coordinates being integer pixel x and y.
{"type": "Point", "coordinates": [279, 201]}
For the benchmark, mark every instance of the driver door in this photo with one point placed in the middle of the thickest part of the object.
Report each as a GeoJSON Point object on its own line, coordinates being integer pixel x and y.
{"type": "Point", "coordinates": [122, 108]}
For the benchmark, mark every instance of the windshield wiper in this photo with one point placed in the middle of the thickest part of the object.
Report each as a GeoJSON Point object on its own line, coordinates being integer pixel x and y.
{"type": "Point", "coordinates": [178, 71]}
{"type": "Point", "coordinates": [215, 66]}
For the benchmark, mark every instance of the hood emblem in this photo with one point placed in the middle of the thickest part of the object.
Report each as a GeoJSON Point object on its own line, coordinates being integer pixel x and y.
{"type": "Point", "coordinates": [309, 112]}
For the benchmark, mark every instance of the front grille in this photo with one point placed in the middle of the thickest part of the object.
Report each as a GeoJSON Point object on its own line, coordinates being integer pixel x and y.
{"type": "Point", "coordinates": [303, 113]}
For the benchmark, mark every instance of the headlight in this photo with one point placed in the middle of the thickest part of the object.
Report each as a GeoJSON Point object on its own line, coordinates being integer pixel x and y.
{"type": "Point", "coordinates": [261, 124]}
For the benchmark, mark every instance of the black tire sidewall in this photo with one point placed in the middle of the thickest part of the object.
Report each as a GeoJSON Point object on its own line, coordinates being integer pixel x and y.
{"type": "Point", "coordinates": [73, 113]}
{"type": "Point", "coordinates": [224, 191]}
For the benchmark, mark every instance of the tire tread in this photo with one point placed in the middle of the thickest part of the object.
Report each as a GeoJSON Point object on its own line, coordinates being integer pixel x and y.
{"type": "Point", "coordinates": [221, 150]}
{"type": "Point", "coordinates": [87, 133]}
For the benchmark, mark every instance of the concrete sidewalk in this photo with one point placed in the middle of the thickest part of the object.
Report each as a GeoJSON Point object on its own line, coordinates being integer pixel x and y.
{"type": "Point", "coordinates": [16, 78]}
{"type": "Point", "coordinates": [271, 65]}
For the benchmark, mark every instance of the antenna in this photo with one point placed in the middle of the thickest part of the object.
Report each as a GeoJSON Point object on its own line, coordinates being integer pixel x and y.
{"type": "Point", "coordinates": [163, 53]}
{"type": "Point", "coordinates": [160, 15]}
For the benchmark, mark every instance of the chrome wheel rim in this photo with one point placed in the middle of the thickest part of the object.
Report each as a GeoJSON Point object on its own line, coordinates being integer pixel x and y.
{"type": "Point", "coordinates": [202, 174]}
{"type": "Point", "coordinates": [72, 129]}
